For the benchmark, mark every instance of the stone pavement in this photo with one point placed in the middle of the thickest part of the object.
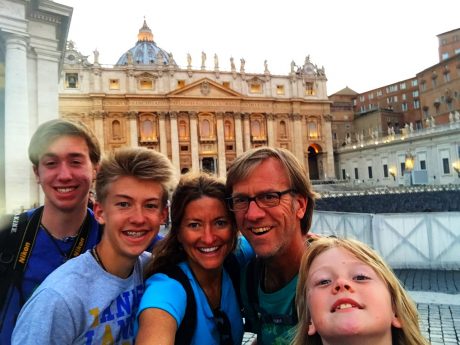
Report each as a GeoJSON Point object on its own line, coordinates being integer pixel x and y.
{"type": "Point", "coordinates": [437, 296]}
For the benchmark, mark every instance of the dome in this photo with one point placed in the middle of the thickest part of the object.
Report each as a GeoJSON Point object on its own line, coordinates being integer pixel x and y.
{"type": "Point", "coordinates": [146, 51]}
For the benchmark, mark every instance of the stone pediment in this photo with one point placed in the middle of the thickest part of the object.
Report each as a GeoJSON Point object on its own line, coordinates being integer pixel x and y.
{"type": "Point", "coordinates": [146, 75]}
{"type": "Point", "coordinates": [205, 88]}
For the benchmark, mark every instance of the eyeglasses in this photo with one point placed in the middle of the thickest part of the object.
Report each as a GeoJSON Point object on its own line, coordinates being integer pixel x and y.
{"type": "Point", "coordinates": [223, 327]}
{"type": "Point", "coordinates": [263, 200]}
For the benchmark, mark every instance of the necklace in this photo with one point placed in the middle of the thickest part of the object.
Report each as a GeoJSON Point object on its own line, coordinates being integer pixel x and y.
{"type": "Point", "coordinates": [64, 255]}
{"type": "Point", "coordinates": [97, 258]}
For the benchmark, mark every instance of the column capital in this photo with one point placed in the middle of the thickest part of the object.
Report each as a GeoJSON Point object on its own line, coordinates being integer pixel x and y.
{"type": "Point", "coordinates": [296, 116]}
{"type": "Point", "coordinates": [193, 115]}
{"type": "Point", "coordinates": [220, 115]}
{"type": "Point", "coordinates": [173, 115]}
{"type": "Point", "coordinates": [132, 115]}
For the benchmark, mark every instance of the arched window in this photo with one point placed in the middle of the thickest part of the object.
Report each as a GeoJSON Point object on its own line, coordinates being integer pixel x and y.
{"type": "Point", "coordinates": [205, 129]}
{"type": "Point", "coordinates": [182, 129]}
{"type": "Point", "coordinates": [147, 129]}
{"type": "Point", "coordinates": [256, 128]}
{"type": "Point", "coordinates": [228, 130]}
{"type": "Point", "coordinates": [283, 129]}
{"type": "Point", "coordinates": [116, 129]}
{"type": "Point", "coordinates": [312, 130]}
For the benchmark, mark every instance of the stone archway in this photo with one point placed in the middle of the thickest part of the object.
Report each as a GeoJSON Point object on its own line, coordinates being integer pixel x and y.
{"type": "Point", "coordinates": [315, 169]}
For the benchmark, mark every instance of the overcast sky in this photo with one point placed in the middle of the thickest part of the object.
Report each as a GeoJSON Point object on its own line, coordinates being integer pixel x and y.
{"type": "Point", "coordinates": [362, 44]}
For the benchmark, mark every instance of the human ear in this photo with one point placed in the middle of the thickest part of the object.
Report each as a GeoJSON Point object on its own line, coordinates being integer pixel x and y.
{"type": "Point", "coordinates": [302, 206]}
{"type": "Point", "coordinates": [395, 322]}
{"type": "Point", "coordinates": [99, 213]}
{"type": "Point", "coordinates": [311, 328]}
{"type": "Point", "coordinates": [37, 176]}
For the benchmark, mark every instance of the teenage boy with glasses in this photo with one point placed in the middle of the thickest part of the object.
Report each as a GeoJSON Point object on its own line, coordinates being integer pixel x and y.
{"type": "Point", "coordinates": [272, 201]}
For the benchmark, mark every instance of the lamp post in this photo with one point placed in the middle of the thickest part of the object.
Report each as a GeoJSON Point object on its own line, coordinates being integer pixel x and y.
{"type": "Point", "coordinates": [456, 166]}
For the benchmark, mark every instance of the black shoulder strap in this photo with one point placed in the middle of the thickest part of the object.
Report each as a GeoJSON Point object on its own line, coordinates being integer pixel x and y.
{"type": "Point", "coordinates": [232, 267]}
{"type": "Point", "coordinates": [186, 329]}
{"type": "Point", "coordinates": [11, 234]}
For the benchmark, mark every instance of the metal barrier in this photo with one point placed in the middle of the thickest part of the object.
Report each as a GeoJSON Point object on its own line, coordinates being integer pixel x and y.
{"type": "Point", "coordinates": [406, 240]}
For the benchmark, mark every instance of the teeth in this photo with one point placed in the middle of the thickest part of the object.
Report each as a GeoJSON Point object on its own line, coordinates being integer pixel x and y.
{"type": "Point", "coordinates": [260, 230]}
{"type": "Point", "coordinates": [65, 190]}
{"type": "Point", "coordinates": [135, 233]}
{"type": "Point", "coordinates": [344, 306]}
{"type": "Point", "coordinates": [208, 250]}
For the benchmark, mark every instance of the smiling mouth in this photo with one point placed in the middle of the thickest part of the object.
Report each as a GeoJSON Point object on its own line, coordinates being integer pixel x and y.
{"type": "Point", "coordinates": [135, 234]}
{"type": "Point", "coordinates": [344, 306]}
{"type": "Point", "coordinates": [209, 249]}
{"type": "Point", "coordinates": [65, 190]}
{"type": "Point", "coordinates": [260, 230]}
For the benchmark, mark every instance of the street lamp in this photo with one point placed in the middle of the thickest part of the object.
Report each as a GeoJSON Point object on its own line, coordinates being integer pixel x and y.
{"type": "Point", "coordinates": [392, 172]}
{"type": "Point", "coordinates": [456, 166]}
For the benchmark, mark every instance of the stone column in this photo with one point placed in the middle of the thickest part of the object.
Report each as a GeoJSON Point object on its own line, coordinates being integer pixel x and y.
{"type": "Point", "coordinates": [97, 79]}
{"type": "Point", "coordinates": [270, 130]}
{"type": "Point", "coordinates": [246, 132]}
{"type": "Point", "coordinates": [99, 128]}
{"type": "Point", "coordinates": [238, 134]}
{"type": "Point", "coordinates": [194, 144]}
{"type": "Point", "coordinates": [221, 145]}
{"type": "Point", "coordinates": [163, 139]}
{"type": "Point", "coordinates": [133, 132]}
{"type": "Point", "coordinates": [174, 140]}
{"type": "Point", "coordinates": [47, 101]}
{"type": "Point", "coordinates": [329, 169]}
{"type": "Point", "coordinates": [21, 185]}
{"type": "Point", "coordinates": [297, 126]}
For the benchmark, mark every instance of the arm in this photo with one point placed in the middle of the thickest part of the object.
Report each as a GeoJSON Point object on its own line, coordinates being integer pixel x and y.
{"type": "Point", "coordinates": [156, 326]}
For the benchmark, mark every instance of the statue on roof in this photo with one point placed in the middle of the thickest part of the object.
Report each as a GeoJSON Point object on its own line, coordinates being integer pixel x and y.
{"type": "Point", "coordinates": [266, 66]}
{"type": "Point", "coordinates": [203, 60]}
{"type": "Point", "coordinates": [96, 56]}
{"type": "Point", "coordinates": [243, 62]}
{"type": "Point", "coordinates": [216, 61]}
{"type": "Point", "coordinates": [189, 60]}
{"type": "Point", "coordinates": [232, 64]}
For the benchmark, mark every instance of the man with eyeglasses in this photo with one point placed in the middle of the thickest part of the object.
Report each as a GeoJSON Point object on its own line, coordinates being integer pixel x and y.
{"type": "Point", "coordinates": [272, 200]}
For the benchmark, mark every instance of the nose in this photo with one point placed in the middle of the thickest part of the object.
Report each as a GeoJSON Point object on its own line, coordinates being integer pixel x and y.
{"type": "Point", "coordinates": [254, 212]}
{"type": "Point", "coordinates": [208, 234]}
{"type": "Point", "coordinates": [64, 172]}
{"type": "Point", "coordinates": [342, 285]}
{"type": "Point", "coordinates": [137, 215]}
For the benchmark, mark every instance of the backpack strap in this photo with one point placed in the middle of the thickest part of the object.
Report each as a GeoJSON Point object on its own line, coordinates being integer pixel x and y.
{"type": "Point", "coordinates": [186, 330]}
{"type": "Point", "coordinates": [12, 234]}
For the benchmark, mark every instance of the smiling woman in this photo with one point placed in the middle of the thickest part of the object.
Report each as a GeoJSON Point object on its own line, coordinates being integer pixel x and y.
{"type": "Point", "coordinates": [202, 236]}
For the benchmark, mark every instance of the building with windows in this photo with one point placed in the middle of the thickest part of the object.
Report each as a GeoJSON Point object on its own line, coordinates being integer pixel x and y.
{"type": "Point", "coordinates": [201, 115]}
{"type": "Point", "coordinates": [407, 132]}
{"type": "Point", "coordinates": [32, 38]}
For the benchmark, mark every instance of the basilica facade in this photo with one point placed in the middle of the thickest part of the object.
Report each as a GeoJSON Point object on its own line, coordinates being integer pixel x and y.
{"type": "Point", "coordinates": [201, 115]}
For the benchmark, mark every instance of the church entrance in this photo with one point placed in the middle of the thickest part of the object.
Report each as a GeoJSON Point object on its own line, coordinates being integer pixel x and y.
{"type": "Point", "coordinates": [208, 164]}
{"type": "Point", "coordinates": [313, 164]}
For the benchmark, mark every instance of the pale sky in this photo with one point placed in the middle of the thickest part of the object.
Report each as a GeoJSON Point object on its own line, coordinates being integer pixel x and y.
{"type": "Point", "coordinates": [362, 44]}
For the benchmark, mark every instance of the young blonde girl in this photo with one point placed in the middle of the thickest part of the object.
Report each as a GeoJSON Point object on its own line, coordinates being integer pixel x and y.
{"type": "Point", "coordinates": [346, 294]}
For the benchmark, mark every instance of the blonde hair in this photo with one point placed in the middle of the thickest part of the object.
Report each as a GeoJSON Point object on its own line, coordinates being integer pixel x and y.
{"type": "Point", "coordinates": [404, 308]}
{"type": "Point", "coordinates": [140, 163]}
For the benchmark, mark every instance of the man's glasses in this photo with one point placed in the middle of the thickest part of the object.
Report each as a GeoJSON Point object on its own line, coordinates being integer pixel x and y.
{"type": "Point", "coordinates": [223, 327]}
{"type": "Point", "coordinates": [263, 200]}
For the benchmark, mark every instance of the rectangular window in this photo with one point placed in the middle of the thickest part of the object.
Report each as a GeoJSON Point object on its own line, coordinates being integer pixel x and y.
{"type": "Point", "coordinates": [403, 97]}
{"type": "Point", "coordinates": [416, 104]}
{"type": "Point", "coordinates": [414, 82]}
{"type": "Point", "coordinates": [445, 166]}
{"type": "Point", "coordinates": [309, 89]}
{"type": "Point", "coordinates": [445, 56]}
{"type": "Point", "coordinates": [344, 174]}
{"type": "Point", "coordinates": [280, 89]}
{"type": "Point", "coordinates": [145, 84]}
{"type": "Point", "coordinates": [356, 174]}
{"type": "Point", "coordinates": [114, 84]}
{"type": "Point", "coordinates": [180, 83]}
{"type": "Point", "coordinates": [379, 93]}
{"type": "Point", "coordinates": [369, 171]}
{"type": "Point", "coordinates": [447, 77]}
{"type": "Point", "coordinates": [255, 88]}
{"type": "Point", "coordinates": [423, 86]}
{"type": "Point", "coordinates": [403, 167]}
{"type": "Point", "coordinates": [415, 93]}
{"type": "Point", "coordinates": [404, 107]}
{"type": "Point", "coordinates": [422, 165]}
{"type": "Point", "coordinates": [402, 86]}
{"type": "Point", "coordinates": [71, 80]}
{"type": "Point", "coordinates": [385, 170]}
{"type": "Point", "coordinates": [435, 83]}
